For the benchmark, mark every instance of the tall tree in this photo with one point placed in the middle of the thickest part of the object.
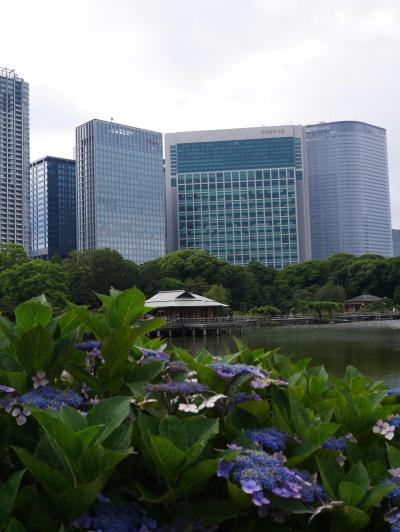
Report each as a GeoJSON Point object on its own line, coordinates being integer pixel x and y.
{"type": "Point", "coordinates": [98, 271]}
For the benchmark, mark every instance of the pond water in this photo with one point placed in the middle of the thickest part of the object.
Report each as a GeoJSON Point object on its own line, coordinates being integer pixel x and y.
{"type": "Point", "coordinates": [372, 347]}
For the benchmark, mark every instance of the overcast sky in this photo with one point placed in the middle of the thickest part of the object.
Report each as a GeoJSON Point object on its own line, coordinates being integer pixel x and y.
{"type": "Point", "coordinates": [176, 65]}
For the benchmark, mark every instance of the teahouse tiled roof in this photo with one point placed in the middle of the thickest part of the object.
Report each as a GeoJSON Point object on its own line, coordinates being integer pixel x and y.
{"type": "Point", "coordinates": [181, 298]}
{"type": "Point", "coordinates": [364, 298]}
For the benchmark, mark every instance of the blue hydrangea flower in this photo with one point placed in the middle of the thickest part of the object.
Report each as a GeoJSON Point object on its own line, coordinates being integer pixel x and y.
{"type": "Point", "coordinates": [150, 355]}
{"type": "Point", "coordinates": [88, 346]}
{"type": "Point", "coordinates": [230, 371]}
{"type": "Point", "coordinates": [50, 397]}
{"type": "Point", "coordinates": [174, 367]}
{"type": "Point", "coordinates": [270, 439]}
{"type": "Point", "coordinates": [122, 517]}
{"type": "Point", "coordinates": [335, 443]}
{"type": "Point", "coordinates": [393, 391]}
{"type": "Point", "coordinates": [258, 473]}
{"type": "Point", "coordinates": [177, 388]}
{"type": "Point", "coordinates": [394, 421]}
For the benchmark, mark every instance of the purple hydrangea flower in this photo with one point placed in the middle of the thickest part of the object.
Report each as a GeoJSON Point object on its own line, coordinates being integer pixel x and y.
{"type": "Point", "coordinates": [335, 443]}
{"type": "Point", "coordinates": [151, 355]}
{"type": "Point", "coordinates": [230, 371]}
{"type": "Point", "coordinates": [50, 397]}
{"type": "Point", "coordinates": [394, 421]}
{"type": "Point", "coordinates": [177, 388]}
{"type": "Point", "coordinates": [270, 474]}
{"type": "Point", "coordinates": [393, 518]}
{"type": "Point", "coordinates": [122, 517]}
{"type": "Point", "coordinates": [6, 389]}
{"type": "Point", "coordinates": [393, 391]}
{"type": "Point", "coordinates": [21, 416]}
{"type": "Point", "coordinates": [174, 367]}
{"type": "Point", "coordinates": [224, 468]}
{"type": "Point", "coordinates": [88, 346]}
{"type": "Point", "coordinates": [39, 379]}
{"type": "Point", "coordinates": [270, 439]}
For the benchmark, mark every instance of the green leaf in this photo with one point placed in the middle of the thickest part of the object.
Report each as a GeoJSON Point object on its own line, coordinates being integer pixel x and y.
{"type": "Point", "coordinates": [116, 347]}
{"type": "Point", "coordinates": [72, 418]}
{"type": "Point", "coordinates": [81, 375]}
{"type": "Point", "coordinates": [197, 475]}
{"type": "Point", "coordinates": [121, 438]}
{"type": "Point", "coordinates": [109, 412]}
{"type": "Point", "coordinates": [302, 453]}
{"type": "Point", "coordinates": [8, 330]}
{"type": "Point", "coordinates": [75, 501]}
{"type": "Point", "coordinates": [358, 475]}
{"type": "Point", "coordinates": [32, 313]}
{"type": "Point", "coordinates": [60, 435]}
{"type": "Point", "coordinates": [331, 478]}
{"type": "Point", "coordinates": [167, 456]}
{"type": "Point", "coordinates": [210, 511]}
{"type": "Point", "coordinates": [375, 495]}
{"type": "Point", "coordinates": [349, 518]}
{"type": "Point", "coordinates": [14, 526]}
{"type": "Point", "coordinates": [125, 308]}
{"type": "Point", "coordinates": [92, 322]}
{"type": "Point", "coordinates": [174, 429]}
{"type": "Point", "coordinates": [149, 326]}
{"type": "Point", "coordinates": [97, 460]}
{"type": "Point", "coordinates": [44, 474]}
{"type": "Point", "coordinates": [241, 499]}
{"type": "Point", "coordinates": [34, 349]}
{"type": "Point", "coordinates": [393, 456]}
{"type": "Point", "coordinates": [200, 429]}
{"type": "Point", "coordinates": [321, 432]}
{"type": "Point", "coordinates": [8, 494]}
{"type": "Point", "coordinates": [350, 493]}
{"type": "Point", "coordinates": [68, 322]}
{"type": "Point", "coordinates": [146, 372]}
{"type": "Point", "coordinates": [258, 409]}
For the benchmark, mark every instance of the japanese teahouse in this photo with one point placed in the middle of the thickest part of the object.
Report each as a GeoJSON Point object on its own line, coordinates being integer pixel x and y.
{"type": "Point", "coordinates": [175, 304]}
{"type": "Point", "coordinates": [354, 304]}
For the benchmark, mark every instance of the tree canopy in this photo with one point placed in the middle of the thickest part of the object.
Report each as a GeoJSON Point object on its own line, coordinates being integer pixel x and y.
{"type": "Point", "coordinates": [83, 274]}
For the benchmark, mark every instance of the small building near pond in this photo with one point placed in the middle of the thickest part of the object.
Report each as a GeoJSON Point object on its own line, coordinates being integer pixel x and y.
{"type": "Point", "coordinates": [177, 304]}
{"type": "Point", "coordinates": [354, 304]}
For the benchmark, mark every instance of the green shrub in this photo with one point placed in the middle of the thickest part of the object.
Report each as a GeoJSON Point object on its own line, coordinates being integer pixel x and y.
{"type": "Point", "coordinates": [103, 428]}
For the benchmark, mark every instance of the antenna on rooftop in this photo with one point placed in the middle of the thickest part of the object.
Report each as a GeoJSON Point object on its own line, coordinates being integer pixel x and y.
{"type": "Point", "coordinates": [112, 119]}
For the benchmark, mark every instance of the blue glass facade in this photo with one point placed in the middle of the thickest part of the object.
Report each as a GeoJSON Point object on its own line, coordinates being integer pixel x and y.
{"type": "Point", "coordinates": [396, 242]}
{"type": "Point", "coordinates": [53, 207]}
{"type": "Point", "coordinates": [349, 189]}
{"type": "Point", "coordinates": [241, 199]}
{"type": "Point", "coordinates": [120, 190]}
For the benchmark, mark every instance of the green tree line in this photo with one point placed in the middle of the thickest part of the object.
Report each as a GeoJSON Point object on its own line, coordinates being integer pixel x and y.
{"type": "Point", "coordinates": [83, 274]}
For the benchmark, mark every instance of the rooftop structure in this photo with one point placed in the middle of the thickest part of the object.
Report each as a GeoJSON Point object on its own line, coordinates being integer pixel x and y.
{"type": "Point", "coordinates": [183, 304]}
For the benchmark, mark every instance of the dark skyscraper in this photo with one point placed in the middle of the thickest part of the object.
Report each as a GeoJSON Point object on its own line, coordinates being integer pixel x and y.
{"type": "Point", "coordinates": [14, 159]}
{"type": "Point", "coordinates": [53, 207]}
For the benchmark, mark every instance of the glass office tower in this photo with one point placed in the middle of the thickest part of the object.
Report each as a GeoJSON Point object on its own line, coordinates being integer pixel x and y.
{"type": "Point", "coordinates": [240, 194]}
{"type": "Point", "coordinates": [53, 207]}
{"type": "Point", "coordinates": [14, 159]}
{"type": "Point", "coordinates": [349, 189]}
{"type": "Point", "coordinates": [396, 242]}
{"type": "Point", "coordinates": [120, 190]}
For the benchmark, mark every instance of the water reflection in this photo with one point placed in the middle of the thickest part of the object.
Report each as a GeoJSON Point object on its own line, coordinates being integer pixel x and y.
{"type": "Point", "coordinates": [372, 347]}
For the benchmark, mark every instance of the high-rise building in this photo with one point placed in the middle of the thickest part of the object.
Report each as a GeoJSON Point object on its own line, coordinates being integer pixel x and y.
{"type": "Point", "coordinates": [396, 242]}
{"type": "Point", "coordinates": [349, 189]}
{"type": "Point", "coordinates": [14, 159]}
{"type": "Point", "coordinates": [240, 194]}
{"type": "Point", "coordinates": [53, 207]}
{"type": "Point", "coordinates": [120, 190]}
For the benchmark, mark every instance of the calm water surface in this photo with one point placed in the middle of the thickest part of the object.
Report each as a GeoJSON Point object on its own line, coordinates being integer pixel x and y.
{"type": "Point", "coordinates": [372, 347]}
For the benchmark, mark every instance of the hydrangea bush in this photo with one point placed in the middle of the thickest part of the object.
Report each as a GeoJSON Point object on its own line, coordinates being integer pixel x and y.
{"type": "Point", "coordinates": [105, 429]}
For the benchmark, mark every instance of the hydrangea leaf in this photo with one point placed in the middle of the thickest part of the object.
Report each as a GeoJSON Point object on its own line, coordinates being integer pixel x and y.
{"type": "Point", "coordinates": [109, 412]}
{"type": "Point", "coordinates": [393, 456]}
{"type": "Point", "coordinates": [34, 349]}
{"type": "Point", "coordinates": [351, 493]}
{"type": "Point", "coordinates": [358, 475]}
{"type": "Point", "coordinates": [375, 495]}
{"type": "Point", "coordinates": [32, 313]}
{"type": "Point", "coordinates": [173, 428]}
{"type": "Point", "coordinates": [8, 494]}
{"type": "Point", "coordinates": [258, 409]}
{"type": "Point", "coordinates": [198, 475]}
{"type": "Point", "coordinates": [330, 476]}
{"type": "Point", "coordinates": [167, 456]}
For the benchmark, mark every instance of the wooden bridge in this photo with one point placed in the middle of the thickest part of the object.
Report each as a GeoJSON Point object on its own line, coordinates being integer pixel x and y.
{"type": "Point", "coordinates": [235, 325]}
